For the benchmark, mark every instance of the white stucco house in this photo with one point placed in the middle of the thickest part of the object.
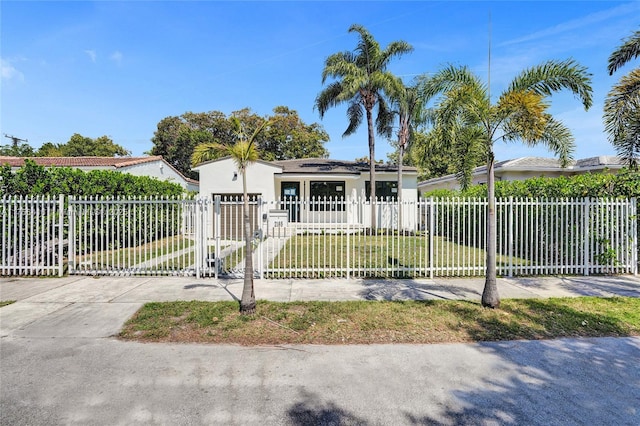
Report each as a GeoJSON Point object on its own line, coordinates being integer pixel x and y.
{"type": "Point", "coordinates": [527, 167]}
{"type": "Point", "coordinates": [310, 190]}
{"type": "Point", "coordinates": [151, 166]}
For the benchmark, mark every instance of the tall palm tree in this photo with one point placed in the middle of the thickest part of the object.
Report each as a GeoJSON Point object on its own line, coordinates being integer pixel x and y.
{"type": "Point", "coordinates": [244, 153]}
{"type": "Point", "coordinates": [361, 81]}
{"type": "Point", "coordinates": [408, 106]}
{"type": "Point", "coordinates": [466, 119]}
{"type": "Point", "coordinates": [622, 106]}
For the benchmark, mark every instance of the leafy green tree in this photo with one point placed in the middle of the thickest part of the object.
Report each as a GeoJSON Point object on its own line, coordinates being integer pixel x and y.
{"type": "Point", "coordinates": [622, 106]}
{"type": "Point", "coordinates": [244, 153]}
{"type": "Point", "coordinates": [17, 150]}
{"type": "Point", "coordinates": [49, 149]}
{"type": "Point", "coordinates": [466, 119]}
{"type": "Point", "coordinates": [82, 146]}
{"type": "Point", "coordinates": [361, 80]}
{"type": "Point", "coordinates": [289, 137]}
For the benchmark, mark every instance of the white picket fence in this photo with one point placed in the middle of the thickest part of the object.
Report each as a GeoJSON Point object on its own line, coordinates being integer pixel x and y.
{"type": "Point", "coordinates": [316, 238]}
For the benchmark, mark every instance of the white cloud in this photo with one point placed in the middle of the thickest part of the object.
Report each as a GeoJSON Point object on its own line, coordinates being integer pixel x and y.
{"type": "Point", "coordinates": [116, 57]}
{"type": "Point", "coordinates": [92, 55]}
{"type": "Point", "coordinates": [574, 24]}
{"type": "Point", "coordinates": [9, 72]}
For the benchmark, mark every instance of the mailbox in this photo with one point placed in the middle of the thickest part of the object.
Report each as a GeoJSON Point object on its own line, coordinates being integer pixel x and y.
{"type": "Point", "coordinates": [277, 219]}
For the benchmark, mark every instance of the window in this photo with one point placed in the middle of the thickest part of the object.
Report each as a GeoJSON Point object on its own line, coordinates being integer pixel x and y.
{"type": "Point", "coordinates": [327, 196]}
{"type": "Point", "coordinates": [385, 189]}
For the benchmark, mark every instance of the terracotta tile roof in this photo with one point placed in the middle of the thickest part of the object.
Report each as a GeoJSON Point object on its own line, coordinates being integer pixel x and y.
{"type": "Point", "coordinates": [115, 162]}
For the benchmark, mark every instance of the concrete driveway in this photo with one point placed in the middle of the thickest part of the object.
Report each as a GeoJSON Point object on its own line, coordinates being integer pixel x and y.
{"type": "Point", "coordinates": [60, 365]}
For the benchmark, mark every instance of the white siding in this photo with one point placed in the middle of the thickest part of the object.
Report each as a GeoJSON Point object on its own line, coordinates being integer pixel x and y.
{"type": "Point", "coordinates": [222, 177]}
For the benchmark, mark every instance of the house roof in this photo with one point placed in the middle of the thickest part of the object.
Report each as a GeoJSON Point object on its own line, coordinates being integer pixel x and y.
{"type": "Point", "coordinates": [542, 164]}
{"type": "Point", "coordinates": [115, 162]}
{"type": "Point", "coordinates": [328, 166]}
{"type": "Point", "coordinates": [228, 158]}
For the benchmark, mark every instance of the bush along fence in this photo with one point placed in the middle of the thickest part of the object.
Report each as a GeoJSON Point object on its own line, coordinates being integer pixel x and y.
{"type": "Point", "coordinates": [315, 238]}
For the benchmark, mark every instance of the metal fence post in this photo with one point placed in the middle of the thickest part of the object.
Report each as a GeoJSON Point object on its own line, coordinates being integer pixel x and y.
{"type": "Point", "coordinates": [510, 237]}
{"type": "Point", "coordinates": [635, 246]}
{"type": "Point", "coordinates": [585, 234]}
{"type": "Point", "coordinates": [262, 234]}
{"type": "Point", "coordinates": [431, 219]}
{"type": "Point", "coordinates": [60, 235]}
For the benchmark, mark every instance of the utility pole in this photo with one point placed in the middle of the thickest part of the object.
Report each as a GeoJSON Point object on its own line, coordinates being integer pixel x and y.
{"type": "Point", "coordinates": [15, 140]}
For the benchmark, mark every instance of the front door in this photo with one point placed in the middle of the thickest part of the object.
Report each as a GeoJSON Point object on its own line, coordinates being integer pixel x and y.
{"type": "Point", "coordinates": [290, 195]}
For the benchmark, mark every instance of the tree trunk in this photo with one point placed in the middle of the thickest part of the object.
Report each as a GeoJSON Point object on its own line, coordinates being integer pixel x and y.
{"type": "Point", "coordinates": [490, 297]}
{"type": "Point", "coordinates": [372, 170]}
{"type": "Point", "coordinates": [248, 301]}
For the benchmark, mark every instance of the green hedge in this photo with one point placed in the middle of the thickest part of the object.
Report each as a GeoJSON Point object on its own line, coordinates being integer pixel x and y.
{"type": "Point", "coordinates": [37, 181]}
{"type": "Point", "coordinates": [625, 184]}
{"type": "Point", "coordinates": [32, 179]}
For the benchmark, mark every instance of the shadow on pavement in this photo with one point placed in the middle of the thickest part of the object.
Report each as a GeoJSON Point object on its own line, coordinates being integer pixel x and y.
{"type": "Point", "coordinates": [313, 411]}
{"type": "Point", "coordinates": [565, 382]}
{"type": "Point", "coordinates": [413, 290]}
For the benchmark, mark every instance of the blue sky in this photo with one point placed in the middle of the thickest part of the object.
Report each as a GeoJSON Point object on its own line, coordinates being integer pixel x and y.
{"type": "Point", "coordinates": [118, 68]}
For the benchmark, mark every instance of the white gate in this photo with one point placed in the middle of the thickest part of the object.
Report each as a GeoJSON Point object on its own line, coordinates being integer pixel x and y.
{"type": "Point", "coordinates": [31, 235]}
{"type": "Point", "coordinates": [148, 236]}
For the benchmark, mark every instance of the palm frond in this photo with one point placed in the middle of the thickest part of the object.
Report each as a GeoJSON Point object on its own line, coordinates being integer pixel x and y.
{"type": "Point", "coordinates": [522, 116]}
{"type": "Point", "coordinates": [553, 76]}
{"type": "Point", "coordinates": [329, 97]}
{"type": "Point", "coordinates": [384, 119]}
{"type": "Point", "coordinates": [207, 152]}
{"type": "Point", "coordinates": [558, 138]}
{"type": "Point", "coordinates": [629, 50]}
{"type": "Point", "coordinates": [355, 113]}
{"type": "Point", "coordinates": [469, 147]}
{"type": "Point", "coordinates": [622, 117]}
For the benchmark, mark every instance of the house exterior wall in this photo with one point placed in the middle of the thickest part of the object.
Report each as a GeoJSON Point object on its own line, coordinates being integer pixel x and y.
{"type": "Point", "coordinates": [158, 170]}
{"type": "Point", "coordinates": [218, 178]}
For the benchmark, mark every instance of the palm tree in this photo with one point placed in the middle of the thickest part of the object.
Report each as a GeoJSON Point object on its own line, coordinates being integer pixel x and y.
{"type": "Point", "coordinates": [408, 106]}
{"type": "Point", "coordinates": [361, 81]}
{"type": "Point", "coordinates": [622, 106]}
{"type": "Point", "coordinates": [467, 120]}
{"type": "Point", "coordinates": [244, 153]}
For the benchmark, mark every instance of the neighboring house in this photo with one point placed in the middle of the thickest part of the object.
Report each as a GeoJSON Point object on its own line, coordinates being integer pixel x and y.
{"type": "Point", "coordinates": [525, 168]}
{"type": "Point", "coordinates": [333, 185]}
{"type": "Point", "coordinates": [153, 166]}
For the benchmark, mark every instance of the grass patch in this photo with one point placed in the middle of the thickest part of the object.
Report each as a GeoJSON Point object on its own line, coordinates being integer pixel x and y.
{"type": "Point", "coordinates": [369, 322]}
{"type": "Point", "coordinates": [122, 258]}
{"type": "Point", "coordinates": [378, 251]}
{"type": "Point", "coordinates": [6, 302]}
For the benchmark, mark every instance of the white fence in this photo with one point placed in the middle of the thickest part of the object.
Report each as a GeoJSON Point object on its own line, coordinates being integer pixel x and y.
{"type": "Point", "coordinates": [31, 241]}
{"type": "Point", "coordinates": [316, 238]}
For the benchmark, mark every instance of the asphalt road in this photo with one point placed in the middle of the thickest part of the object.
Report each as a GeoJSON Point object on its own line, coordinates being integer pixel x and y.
{"type": "Point", "coordinates": [89, 381]}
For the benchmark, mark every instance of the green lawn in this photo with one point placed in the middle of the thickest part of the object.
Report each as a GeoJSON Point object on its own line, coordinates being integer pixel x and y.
{"type": "Point", "coordinates": [411, 252]}
{"type": "Point", "coordinates": [368, 322]}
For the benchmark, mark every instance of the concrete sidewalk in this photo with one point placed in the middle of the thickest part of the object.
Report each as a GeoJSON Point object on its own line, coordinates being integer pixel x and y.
{"type": "Point", "coordinates": [81, 306]}
{"type": "Point", "coordinates": [58, 369]}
